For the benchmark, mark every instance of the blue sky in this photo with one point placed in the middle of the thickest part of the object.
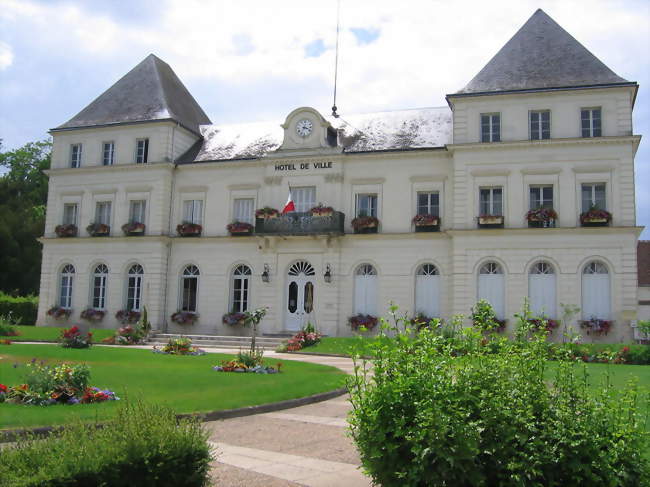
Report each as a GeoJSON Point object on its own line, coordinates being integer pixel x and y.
{"type": "Point", "coordinates": [257, 60]}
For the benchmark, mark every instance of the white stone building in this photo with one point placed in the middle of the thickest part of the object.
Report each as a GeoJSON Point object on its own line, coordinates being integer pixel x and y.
{"type": "Point", "coordinates": [544, 124]}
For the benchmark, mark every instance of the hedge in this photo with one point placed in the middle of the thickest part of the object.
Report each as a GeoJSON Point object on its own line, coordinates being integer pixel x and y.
{"type": "Point", "coordinates": [145, 446]}
{"type": "Point", "coordinates": [23, 308]}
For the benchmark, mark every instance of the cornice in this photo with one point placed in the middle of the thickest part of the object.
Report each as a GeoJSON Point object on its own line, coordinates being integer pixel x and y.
{"type": "Point", "coordinates": [540, 232]}
{"type": "Point", "coordinates": [535, 144]}
{"type": "Point", "coordinates": [64, 171]}
{"type": "Point", "coordinates": [104, 240]}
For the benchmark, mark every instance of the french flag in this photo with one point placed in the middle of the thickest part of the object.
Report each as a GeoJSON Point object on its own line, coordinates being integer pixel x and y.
{"type": "Point", "coordinates": [289, 207]}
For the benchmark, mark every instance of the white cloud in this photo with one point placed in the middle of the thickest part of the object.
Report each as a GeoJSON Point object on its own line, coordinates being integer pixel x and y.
{"type": "Point", "coordinates": [6, 56]}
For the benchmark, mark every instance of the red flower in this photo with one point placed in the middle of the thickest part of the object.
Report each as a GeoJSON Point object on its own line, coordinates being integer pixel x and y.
{"type": "Point", "coordinates": [3, 388]}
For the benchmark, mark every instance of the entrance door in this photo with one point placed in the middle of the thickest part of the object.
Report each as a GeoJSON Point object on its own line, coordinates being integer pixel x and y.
{"type": "Point", "coordinates": [300, 295]}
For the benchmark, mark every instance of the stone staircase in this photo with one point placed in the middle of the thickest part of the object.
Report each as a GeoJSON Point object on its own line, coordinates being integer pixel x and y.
{"type": "Point", "coordinates": [232, 342]}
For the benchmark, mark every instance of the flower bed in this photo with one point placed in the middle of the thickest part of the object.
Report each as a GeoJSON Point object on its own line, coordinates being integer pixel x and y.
{"type": "Point", "coordinates": [185, 317]}
{"type": "Point", "coordinates": [366, 321]}
{"type": "Point", "coordinates": [59, 312]}
{"type": "Point", "coordinates": [321, 210]}
{"type": "Point", "coordinates": [234, 319]}
{"type": "Point", "coordinates": [595, 217]}
{"type": "Point", "coordinates": [133, 229]}
{"type": "Point", "coordinates": [240, 229]}
{"type": "Point", "coordinates": [124, 316]}
{"type": "Point", "coordinates": [596, 326]}
{"type": "Point", "coordinates": [126, 335]}
{"type": "Point", "coordinates": [541, 217]}
{"type": "Point", "coordinates": [235, 366]}
{"type": "Point", "coordinates": [365, 224]}
{"type": "Point", "coordinates": [189, 229]}
{"type": "Point", "coordinates": [179, 346]}
{"type": "Point", "coordinates": [91, 314]}
{"type": "Point", "coordinates": [74, 338]}
{"type": "Point", "coordinates": [266, 212]}
{"type": "Point", "coordinates": [303, 339]}
{"type": "Point", "coordinates": [98, 230]}
{"type": "Point", "coordinates": [66, 230]}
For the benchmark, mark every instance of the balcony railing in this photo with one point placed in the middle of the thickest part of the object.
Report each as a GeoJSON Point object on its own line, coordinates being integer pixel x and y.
{"type": "Point", "coordinates": [301, 224]}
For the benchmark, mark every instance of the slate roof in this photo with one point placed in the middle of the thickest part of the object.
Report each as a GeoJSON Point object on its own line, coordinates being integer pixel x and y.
{"type": "Point", "coordinates": [541, 55]}
{"type": "Point", "coordinates": [391, 130]}
{"type": "Point", "coordinates": [150, 91]}
{"type": "Point", "coordinates": [643, 262]}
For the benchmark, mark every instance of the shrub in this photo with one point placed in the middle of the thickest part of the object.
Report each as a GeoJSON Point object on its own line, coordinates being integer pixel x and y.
{"type": "Point", "coordinates": [485, 319]}
{"type": "Point", "coordinates": [426, 417]}
{"type": "Point", "coordinates": [74, 338]}
{"type": "Point", "coordinates": [6, 326]}
{"type": "Point", "coordinates": [23, 309]}
{"type": "Point", "coordinates": [179, 346]}
{"type": "Point", "coordinates": [145, 446]}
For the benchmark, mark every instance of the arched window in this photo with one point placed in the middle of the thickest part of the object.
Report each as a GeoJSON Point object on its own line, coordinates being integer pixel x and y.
{"type": "Point", "coordinates": [596, 297]}
{"type": "Point", "coordinates": [427, 291]}
{"type": "Point", "coordinates": [65, 288]}
{"type": "Point", "coordinates": [240, 289]}
{"type": "Point", "coordinates": [365, 290]}
{"type": "Point", "coordinates": [100, 276]}
{"type": "Point", "coordinates": [491, 287]}
{"type": "Point", "coordinates": [134, 288]}
{"type": "Point", "coordinates": [541, 290]}
{"type": "Point", "coordinates": [189, 288]}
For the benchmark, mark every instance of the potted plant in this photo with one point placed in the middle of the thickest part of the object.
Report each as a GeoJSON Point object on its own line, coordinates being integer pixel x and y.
{"type": "Point", "coordinates": [189, 229]}
{"type": "Point", "coordinates": [98, 230]}
{"type": "Point", "coordinates": [595, 217]}
{"type": "Point", "coordinates": [541, 218]}
{"type": "Point", "coordinates": [366, 321]}
{"type": "Point", "coordinates": [58, 312]}
{"type": "Point", "coordinates": [91, 314]}
{"type": "Point", "coordinates": [124, 316]}
{"type": "Point", "coordinates": [234, 319]}
{"type": "Point", "coordinates": [133, 229]}
{"type": "Point", "coordinates": [596, 326]}
{"type": "Point", "coordinates": [240, 229]}
{"type": "Point", "coordinates": [426, 223]}
{"type": "Point", "coordinates": [185, 317]}
{"type": "Point", "coordinates": [267, 212]}
{"type": "Point", "coordinates": [66, 230]}
{"type": "Point", "coordinates": [490, 220]}
{"type": "Point", "coordinates": [365, 224]}
{"type": "Point", "coordinates": [320, 210]}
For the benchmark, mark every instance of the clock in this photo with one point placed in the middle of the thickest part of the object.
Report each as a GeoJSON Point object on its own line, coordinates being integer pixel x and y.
{"type": "Point", "coordinates": [304, 127]}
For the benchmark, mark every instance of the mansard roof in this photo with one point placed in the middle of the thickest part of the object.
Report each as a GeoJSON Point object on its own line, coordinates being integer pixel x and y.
{"type": "Point", "coordinates": [149, 92]}
{"type": "Point", "coordinates": [541, 55]}
{"type": "Point", "coordinates": [422, 128]}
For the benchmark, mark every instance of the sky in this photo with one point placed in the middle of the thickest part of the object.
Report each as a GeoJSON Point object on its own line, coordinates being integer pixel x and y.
{"type": "Point", "coordinates": [257, 60]}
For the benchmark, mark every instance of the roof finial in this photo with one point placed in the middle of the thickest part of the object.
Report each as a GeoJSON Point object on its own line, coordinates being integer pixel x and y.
{"type": "Point", "coordinates": [336, 58]}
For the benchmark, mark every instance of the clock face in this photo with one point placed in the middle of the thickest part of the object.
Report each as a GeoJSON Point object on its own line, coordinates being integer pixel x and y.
{"type": "Point", "coordinates": [304, 127]}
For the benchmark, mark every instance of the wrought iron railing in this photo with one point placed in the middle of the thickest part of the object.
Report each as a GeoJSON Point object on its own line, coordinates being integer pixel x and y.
{"type": "Point", "coordinates": [301, 224]}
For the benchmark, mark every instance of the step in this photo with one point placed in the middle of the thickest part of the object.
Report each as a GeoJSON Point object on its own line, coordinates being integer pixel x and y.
{"type": "Point", "coordinates": [219, 341]}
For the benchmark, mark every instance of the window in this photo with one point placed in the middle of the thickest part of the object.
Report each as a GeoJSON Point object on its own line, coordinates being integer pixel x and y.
{"type": "Point", "coordinates": [75, 155]}
{"type": "Point", "coordinates": [65, 289]}
{"type": "Point", "coordinates": [142, 151]}
{"type": "Point", "coordinates": [590, 118]}
{"type": "Point", "coordinates": [491, 201]}
{"type": "Point", "coordinates": [541, 197]}
{"type": "Point", "coordinates": [490, 127]}
{"type": "Point", "coordinates": [134, 288]}
{"type": "Point", "coordinates": [491, 287]}
{"type": "Point", "coordinates": [242, 210]}
{"type": "Point", "coordinates": [100, 276]}
{"type": "Point", "coordinates": [193, 211]}
{"type": "Point", "coordinates": [541, 290]}
{"type": "Point", "coordinates": [103, 212]}
{"type": "Point", "coordinates": [596, 299]}
{"type": "Point", "coordinates": [240, 289]}
{"type": "Point", "coordinates": [540, 125]}
{"type": "Point", "coordinates": [136, 211]}
{"type": "Point", "coordinates": [427, 291]}
{"type": "Point", "coordinates": [189, 288]}
{"type": "Point", "coordinates": [366, 205]}
{"type": "Point", "coordinates": [428, 203]}
{"type": "Point", "coordinates": [107, 153]}
{"type": "Point", "coordinates": [70, 212]}
{"type": "Point", "coordinates": [304, 198]}
{"type": "Point", "coordinates": [593, 196]}
{"type": "Point", "coordinates": [365, 290]}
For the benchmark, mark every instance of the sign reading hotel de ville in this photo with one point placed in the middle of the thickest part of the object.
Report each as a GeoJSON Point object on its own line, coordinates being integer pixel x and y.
{"type": "Point", "coordinates": [304, 166]}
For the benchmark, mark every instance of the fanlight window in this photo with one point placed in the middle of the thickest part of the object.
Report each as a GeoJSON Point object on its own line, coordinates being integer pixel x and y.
{"type": "Point", "coordinates": [189, 288]}
{"type": "Point", "coordinates": [99, 287]}
{"type": "Point", "coordinates": [542, 268]}
{"type": "Point", "coordinates": [240, 288]}
{"type": "Point", "coordinates": [491, 287]}
{"type": "Point", "coordinates": [134, 288]}
{"type": "Point", "coordinates": [65, 289]}
{"type": "Point", "coordinates": [542, 290]}
{"type": "Point", "coordinates": [491, 268]}
{"type": "Point", "coordinates": [427, 270]}
{"type": "Point", "coordinates": [365, 290]}
{"type": "Point", "coordinates": [596, 268]}
{"type": "Point", "coordinates": [596, 292]}
{"type": "Point", "coordinates": [301, 267]}
{"type": "Point", "coordinates": [427, 291]}
{"type": "Point", "coordinates": [366, 270]}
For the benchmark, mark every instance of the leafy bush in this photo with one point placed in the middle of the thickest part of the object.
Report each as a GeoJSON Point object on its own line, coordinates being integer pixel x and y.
{"type": "Point", "coordinates": [23, 309]}
{"type": "Point", "coordinates": [6, 326]}
{"type": "Point", "coordinates": [428, 417]}
{"type": "Point", "coordinates": [485, 319]}
{"type": "Point", "coordinates": [145, 446]}
{"type": "Point", "coordinates": [179, 346]}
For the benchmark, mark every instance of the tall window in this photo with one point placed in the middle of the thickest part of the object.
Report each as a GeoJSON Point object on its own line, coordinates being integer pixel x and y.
{"type": "Point", "coordinates": [590, 119]}
{"type": "Point", "coordinates": [593, 195]}
{"type": "Point", "coordinates": [491, 201]}
{"type": "Point", "coordinates": [366, 205]}
{"type": "Point", "coordinates": [142, 151]}
{"type": "Point", "coordinates": [108, 153]}
{"type": "Point", "coordinates": [490, 127]}
{"type": "Point", "coordinates": [189, 288]}
{"type": "Point", "coordinates": [428, 203]}
{"type": "Point", "coordinates": [75, 155]}
{"type": "Point", "coordinates": [596, 295]}
{"type": "Point", "coordinates": [491, 287]}
{"type": "Point", "coordinates": [100, 276]}
{"type": "Point", "coordinates": [541, 197]}
{"type": "Point", "coordinates": [134, 288]}
{"type": "Point", "coordinates": [540, 125]}
{"type": "Point", "coordinates": [240, 289]}
{"type": "Point", "coordinates": [427, 291]}
{"type": "Point", "coordinates": [541, 290]}
{"type": "Point", "coordinates": [304, 198]}
{"type": "Point", "coordinates": [65, 288]}
{"type": "Point", "coordinates": [70, 212]}
{"type": "Point", "coordinates": [365, 290]}
{"type": "Point", "coordinates": [137, 211]}
{"type": "Point", "coordinates": [243, 211]}
{"type": "Point", "coordinates": [103, 212]}
{"type": "Point", "coordinates": [192, 211]}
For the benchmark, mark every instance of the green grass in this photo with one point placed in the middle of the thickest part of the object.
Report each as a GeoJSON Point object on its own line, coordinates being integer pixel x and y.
{"type": "Point", "coordinates": [184, 383]}
{"type": "Point", "coordinates": [51, 333]}
{"type": "Point", "coordinates": [334, 345]}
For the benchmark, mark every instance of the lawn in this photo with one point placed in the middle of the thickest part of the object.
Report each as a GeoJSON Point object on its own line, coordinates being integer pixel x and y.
{"type": "Point", "coordinates": [51, 333]}
{"type": "Point", "coordinates": [335, 345]}
{"type": "Point", "coordinates": [184, 383]}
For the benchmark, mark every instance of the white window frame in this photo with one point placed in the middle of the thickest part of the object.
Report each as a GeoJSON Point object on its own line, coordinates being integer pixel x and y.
{"type": "Point", "coordinates": [591, 118]}
{"type": "Point", "coordinates": [108, 156]}
{"type": "Point", "coordinates": [75, 214]}
{"type": "Point", "coordinates": [142, 154]}
{"type": "Point", "coordinates": [192, 211]}
{"type": "Point", "coordinates": [75, 156]}
{"type": "Point", "coordinates": [357, 206]}
{"type": "Point", "coordinates": [135, 276]}
{"type": "Point", "coordinates": [142, 212]}
{"type": "Point", "coordinates": [366, 275]}
{"type": "Point", "coordinates": [543, 268]}
{"type": "Point", "coordinates": [98, 213]}
{"type": "Point", "coordinates": [188, 273]}
{"type": "Point", "coordinates": [596, 267]}
{"type": "Point", "coordinates": [487, 269]}
{"type": "Point", "coordinates": [66, 282]}
{"type": "Point", "coordinates": [540, 134]}
{"type": "Point", "coordinates": [241, 213]}
{"type": "Point", "coordinates": [593, 195]}
{"type": "Point", "coordinates": [491, 200]}
{"type": "Point", "coordinates": [543, 188]}
{"type": "Point", "coordinates": [430, 207]}
{"type": "Point", "coordinates": [492, 134]}
{"type": "Point", "coordinates": [304, 198]}
{"type": "Point", "coordinates": [243, 273]}
{"type": "Point", "coordinates": [424, 272]}
{"type": "Point", "coordinates": [98, 286]}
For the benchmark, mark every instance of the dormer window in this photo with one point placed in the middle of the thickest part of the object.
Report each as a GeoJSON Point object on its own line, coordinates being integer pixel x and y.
{"type": "Point", "coordinates": [107, 153]}
{"type": "Point", "coordinates": [75, 155]}
{"type": "Point", "coordinates": [490, 127]}
{"type": "Point", "coordinates": [590, 119]}
{"type": "Point", "coordinates": [142, 151]}
{"type": "Point", "coordinates": [540, 125]}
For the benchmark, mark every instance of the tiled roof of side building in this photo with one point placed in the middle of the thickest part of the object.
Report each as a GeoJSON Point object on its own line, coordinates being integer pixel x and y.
{"type": "Point", "coordinates": [422, 128]}
{"type": "Point", "coordinates": [541, 55]}
{"type": "Point", "coordinates": [151, 91]}
{"type": "Point", "coordinates": [643, 262]}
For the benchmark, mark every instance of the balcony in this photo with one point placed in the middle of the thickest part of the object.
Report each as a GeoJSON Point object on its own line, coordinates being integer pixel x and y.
{"type": "Point", "coordinates": [301, 224]}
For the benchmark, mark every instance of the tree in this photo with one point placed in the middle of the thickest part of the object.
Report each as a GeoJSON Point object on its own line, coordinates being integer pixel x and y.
{"type": "Point", "coordinates": [23, 196]}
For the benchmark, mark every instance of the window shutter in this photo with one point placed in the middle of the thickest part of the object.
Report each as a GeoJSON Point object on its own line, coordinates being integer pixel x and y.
{"type": "Point", "coordinates": [596, 296]}
{"type": "Point", "coordinates": [187, 210]}
{"type": "Point", "coordinates": [427, 290]}
{"type": "Point", "coordinates": [359, 295]}
{"type": "Point", "coordinates": [491, 288]}
{"type": "Point", "coordinates": [541, 293]}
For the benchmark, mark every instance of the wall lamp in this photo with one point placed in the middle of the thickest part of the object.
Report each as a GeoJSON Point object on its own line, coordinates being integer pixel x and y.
{"type": "Point", "coordinates": [265, 274]}
{"type": "Point", "coordinates": [328, 274]}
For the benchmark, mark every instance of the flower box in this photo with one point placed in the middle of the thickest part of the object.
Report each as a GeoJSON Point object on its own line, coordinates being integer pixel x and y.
{"type": "Point", "coordinates": [546, 323]}
{"type": "Point", "coordinates": [124, 316]}
{"type": "Point", "coordinates": [426, 223]}
{"type": "Point", "coordinates": [541, 218]}
{"type": "Point", "coordinates": [240, 229]}
{"type": "Point", "coordinates": [91, 314]}
{"type": "Point", "coordinates": [321, 210]}
{"type": "Point", "coordinates": [66, 230]}
{"type": "Point", "coordinates": [596, 326]}
{"type": "Point", "coordinates": [365, 224]}
{"type": "Point", "coordinates": [234, 319]}
{"type": "Point", "coordinates": [267, 212]}
{"type": "Point", "coordinates": [490, 221]}
{"type": "Point", "coordinates": [185, 317]}
{"type": "Point", "coordinates": [189, 229]}
{"type": "Point", "coordinates": [366, 321]}
{"type": "Point", "coordinates": [98, 230]}
{"type": "Point", "coordinates": [133, 229]}
{"type": "Point", "coordinates": [595, 218]}
{"type": "Point", "coordinates": [59, 312]}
